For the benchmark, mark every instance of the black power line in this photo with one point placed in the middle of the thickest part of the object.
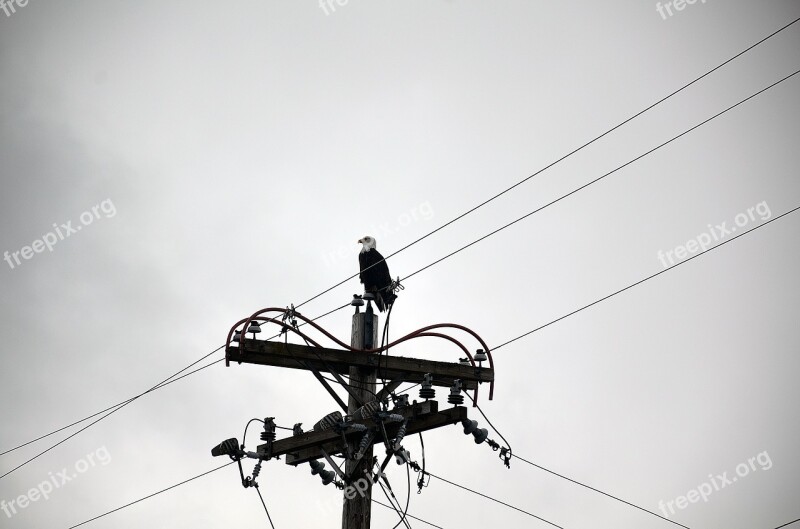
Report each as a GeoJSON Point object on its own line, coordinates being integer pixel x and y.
{"type": "Point", "coordinates": [495, 429]}
{"type": "Point", "coordinates": [120, 405]}
{"type": "Point", "coordinates": [204, 474]}
{"type": "Point", "coordinates": [153, 494]}
{"type": "Point", "coordinates": [598, 490]}
{"type": "Point", "coordinates": [561, 318]}
{"type": "Point", "coordinates": [645, 279]}
{"type": "Point", "coordinates": [407, 515]}
{"type": "Point", "coordinates": [479, 206]}
{"type": "Point", "coordinates": [518, 457]}
{"type": "Point", "coordinates": [492, 233]}
{"type": "Point", "coordinates": [493, 499]}
{"type": "Point", "coordinates": [109, 408]}
{"type": "Point", "coordinates": [109, 413]}
{"type": "Point", "coordinates": [564, 157]}
{"type": "Point", "coordinates": [265, 507]}
{"type": "Point", "coordinates": [594, 303]}
{"type": "Point", "coordinates": [512, 454]}
{"type": "Point", "coordinates": [392, 503]}
{"type": "Point", "coordinates": [584, 186]}
{"type": "Point", "coordinates": [408, 499]}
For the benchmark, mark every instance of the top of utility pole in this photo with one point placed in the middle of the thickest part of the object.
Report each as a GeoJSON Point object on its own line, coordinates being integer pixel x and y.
{"type": "Point", "coordinates": [367, 418]}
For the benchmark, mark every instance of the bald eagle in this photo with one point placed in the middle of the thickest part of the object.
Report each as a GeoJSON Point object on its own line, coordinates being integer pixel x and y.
{"type": "Point", "coordinates": [376, 279]}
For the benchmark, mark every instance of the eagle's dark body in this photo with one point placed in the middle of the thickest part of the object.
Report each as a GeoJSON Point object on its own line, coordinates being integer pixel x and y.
{"type": "Point", "coordinates": [376, 278]}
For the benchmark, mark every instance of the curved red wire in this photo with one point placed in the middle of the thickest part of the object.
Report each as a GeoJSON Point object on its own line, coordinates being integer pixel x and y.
{"type": "Point", "coordinates": [267, 320]}
{"type": "Point", "coordinates": [415, 334]}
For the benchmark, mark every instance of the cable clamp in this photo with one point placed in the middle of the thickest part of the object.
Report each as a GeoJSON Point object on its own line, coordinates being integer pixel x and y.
{"type": "Point", "coordinates": [505, 455]}
{"type": "Point", "coordinates": [396, 286]}
{"type": "Point", "coordinates": [289, 315]}
{"type": "Point", "coordinates": [421, 481]}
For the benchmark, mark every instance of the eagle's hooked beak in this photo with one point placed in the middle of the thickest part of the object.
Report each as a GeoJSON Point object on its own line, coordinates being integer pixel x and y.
{"type": "Point", "coordinates": [361, 241]}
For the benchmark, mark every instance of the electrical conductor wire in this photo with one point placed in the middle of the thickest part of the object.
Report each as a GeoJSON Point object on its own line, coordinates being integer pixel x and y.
{"type": "Point", "coordinates": [598, 490]}
{"type": "Point", "coordinates": [107, 414]}
{"type": "Point", "coordinates": [409, 516]}
{"type": "Point", "coordinates": [153, 494]}
{"type": "Point", "coordinates": [124, 403]}
{"type": "Point", "coordinates": [584, 186]}
{"type": "Point", "coordinates": [481, 204]}
{"type": "Point", "coordinates": [773, 219]}
{"type": "Point", "coordinates": [494, 500]}
{"type": "Point", "coordinates": [402, 518]}
{"type": "Point", "coordinates": [265, 507]}
{"type": "Point", "coordinates": [408, 498]}
{"type": "Point", "coordinates": [564, 157]}
{"type": "Point", "coordinates": [569, 479]}
{"type": "Point", "coordinates": [667, 97]}
{"type": "Point", "coordinates": [105, 410]}
{"type": "Point", "coordinates": [518, 457]}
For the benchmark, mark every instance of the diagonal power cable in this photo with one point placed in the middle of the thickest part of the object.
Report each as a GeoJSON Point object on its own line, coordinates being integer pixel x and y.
{"type": "Point", "coordinates": [645, 279]}
{"type": "Point", "coordinates": [109, 408]}
{"type": "Point", "coordinates": [599, 178]}
{"type": "Point", "coordinates": [407, 515]}
{"type": "Point", "coordinates": [151, 495]}
{"type": "Point", "coordinates": [559, 160]}
{"type": "Point", "coordinates": [120, 405]}
{"type": "Point", "coordinates": [109, 413]}
{"type": "Point", "coordinates": [518, 457]}
{"type": "Point", "coordinates": [199, 476]}
{"type": "Point", "coordinates": [599, 491]}
{"type": "Point", "coordinates": [493, 499]}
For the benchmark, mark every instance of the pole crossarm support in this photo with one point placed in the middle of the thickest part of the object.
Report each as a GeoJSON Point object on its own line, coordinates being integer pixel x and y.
{"type": "Point", "coordinates": [421, 417]}
{"type": "Point", "coordinates": [296, 356]}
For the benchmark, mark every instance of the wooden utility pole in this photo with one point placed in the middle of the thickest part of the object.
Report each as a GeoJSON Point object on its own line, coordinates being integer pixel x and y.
{"type": "Point", "coordinates": [360, 430]}
{"type": "Point", "coordinates": [357, 509]}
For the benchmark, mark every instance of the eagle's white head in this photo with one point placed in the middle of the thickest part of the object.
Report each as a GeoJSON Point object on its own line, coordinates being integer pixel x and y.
{"type": "Point", "coordinates": [368, 243]}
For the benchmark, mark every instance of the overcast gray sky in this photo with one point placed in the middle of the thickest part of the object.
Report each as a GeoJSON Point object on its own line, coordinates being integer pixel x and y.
{"type": "Point", "coordinates": [223, 157]}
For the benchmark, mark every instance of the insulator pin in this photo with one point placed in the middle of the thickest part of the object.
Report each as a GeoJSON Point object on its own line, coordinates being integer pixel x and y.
{"type": "Point", "coordinates": [268, 434]}
{"type": "Point", "coordinates": [426, 391]}
{"type": "Point", "coordinates": [455, 397]}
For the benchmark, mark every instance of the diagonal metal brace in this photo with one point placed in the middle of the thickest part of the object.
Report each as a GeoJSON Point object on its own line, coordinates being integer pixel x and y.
{"type": "Point", "coordinates": [328, 387]}
{"type": "Point", "coordinates": [333, 464]}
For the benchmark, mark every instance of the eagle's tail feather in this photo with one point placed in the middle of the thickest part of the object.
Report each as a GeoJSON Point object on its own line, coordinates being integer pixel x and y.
{"type": "Point", "coordinates": [379, 302]}
{"type": "Point", "coordinates": [386, 299]}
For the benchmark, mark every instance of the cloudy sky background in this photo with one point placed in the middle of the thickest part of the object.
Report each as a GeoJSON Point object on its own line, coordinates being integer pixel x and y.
{"type": "Point", "coordinates": [246, 146]}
